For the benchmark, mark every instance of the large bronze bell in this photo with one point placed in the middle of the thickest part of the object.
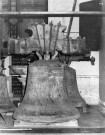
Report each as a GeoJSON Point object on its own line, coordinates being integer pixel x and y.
{"type": "Point", "coordinates": [6, 104]}
{"type": "Point", "coordinates": [46, 99]}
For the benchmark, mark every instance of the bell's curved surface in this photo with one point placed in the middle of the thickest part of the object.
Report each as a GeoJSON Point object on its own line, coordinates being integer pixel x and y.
{"type": "Point", "coordinates": [46, 99]}
{"type": "Point", "coordinates": [72, 88]}
{"type": "Point", "coordinates": [6, 104]}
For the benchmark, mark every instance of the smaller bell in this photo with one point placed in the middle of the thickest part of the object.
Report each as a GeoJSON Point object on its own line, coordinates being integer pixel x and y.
{"type": "Point", "coordinates": [6, 104]}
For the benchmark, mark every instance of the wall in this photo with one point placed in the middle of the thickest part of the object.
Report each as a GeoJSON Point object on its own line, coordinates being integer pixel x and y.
{"type": "Point", "coordinates": [87, 75]}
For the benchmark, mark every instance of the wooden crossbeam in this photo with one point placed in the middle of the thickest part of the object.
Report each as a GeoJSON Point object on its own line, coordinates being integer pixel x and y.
{"type": "Point", "coordinates": [51, 14]}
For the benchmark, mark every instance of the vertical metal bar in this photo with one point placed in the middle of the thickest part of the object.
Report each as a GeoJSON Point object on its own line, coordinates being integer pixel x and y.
{"type": "Point", "coordinates": [19, 25]}
{"type": "Point", "coordinates": [71, 20]}
{"type": "Point", "coordinates": [10, 5]}
{"type": "Point", "coordinates": [59, 24]}
{"type": "Point", "coordinates": [38, 37]}
{"type": "Point", "coordinates": [9, 19]}
{"type": "Point", "coordinates": [44, 36]}
{"type": "Point", "coordinates": [46, 9]}
{"type": "Point", "coordinates": [50, 35]}
{"type": "Point", "coordinates": [17, 1]}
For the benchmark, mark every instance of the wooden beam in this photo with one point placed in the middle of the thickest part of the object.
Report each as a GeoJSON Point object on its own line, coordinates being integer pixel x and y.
{"type": "Point", "coordinates": [51, 14]}
{"type": "Point", "coordinates": [1, 45]}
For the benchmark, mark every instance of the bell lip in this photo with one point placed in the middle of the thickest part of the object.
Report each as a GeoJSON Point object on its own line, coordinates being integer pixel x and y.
{"type": "Point", "coordinates": [46, 119]}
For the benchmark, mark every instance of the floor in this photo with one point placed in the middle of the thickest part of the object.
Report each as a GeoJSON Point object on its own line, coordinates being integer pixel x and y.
{"type": "Point", "coordinates": [93, 118]}
{"type": "Point", "coordinates": [92, 122]}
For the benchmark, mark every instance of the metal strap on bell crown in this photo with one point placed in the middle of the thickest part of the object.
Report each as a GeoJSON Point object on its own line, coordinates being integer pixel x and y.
{"type": "Point", "coordinates": [6, 104]}
{"type": "Point", "coordinates": [45, 100]}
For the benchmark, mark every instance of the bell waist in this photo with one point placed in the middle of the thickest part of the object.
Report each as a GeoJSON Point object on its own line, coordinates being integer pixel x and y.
{"type": "Point", "coordinates": [37, 75]}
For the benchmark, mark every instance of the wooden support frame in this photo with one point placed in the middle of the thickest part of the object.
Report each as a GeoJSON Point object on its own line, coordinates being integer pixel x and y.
{"type": "Point", "coordinates": [50, 14]}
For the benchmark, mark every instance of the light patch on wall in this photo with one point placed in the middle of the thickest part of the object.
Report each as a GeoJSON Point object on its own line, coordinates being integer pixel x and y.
{"type": "Point", "coordinates": [80, 1]}
{"type": "Point", "coordinates": [88, 79]}
{"type": "Point", "coordinates": [89, 89]}
{"type": "Point", "coordinates": [85, 68]}
{"type": "Point", "coordinates": [64, 6]}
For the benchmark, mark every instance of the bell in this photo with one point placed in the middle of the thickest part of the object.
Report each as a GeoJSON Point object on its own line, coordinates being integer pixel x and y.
{"type": "Point", "coordinates": [72, 88]}
{"type": "Point", "coordinates": [46, 99]}
{"type": "Point", "coordinates": [6, 104]}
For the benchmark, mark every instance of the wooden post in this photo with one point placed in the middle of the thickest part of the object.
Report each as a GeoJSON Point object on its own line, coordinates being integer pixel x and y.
{"type": "Point", "coordinates": [1, 45]}
{"type": "Point", "coordinates": [102, 60]}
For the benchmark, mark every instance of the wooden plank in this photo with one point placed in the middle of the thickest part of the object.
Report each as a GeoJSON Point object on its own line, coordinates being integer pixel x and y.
{"type": "Point", "coordinates": [1, 45]}
{"type": "Point", "coordinates": [51, 14]}
{"type": "Point", "coordinates": [52, 130]}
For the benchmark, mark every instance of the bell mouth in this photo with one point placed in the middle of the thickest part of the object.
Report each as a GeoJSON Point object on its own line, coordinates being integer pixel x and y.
{"type": "Point", "coordinates": [46, 118]}
{"type": "Point", "coordinates": [51, 114]}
